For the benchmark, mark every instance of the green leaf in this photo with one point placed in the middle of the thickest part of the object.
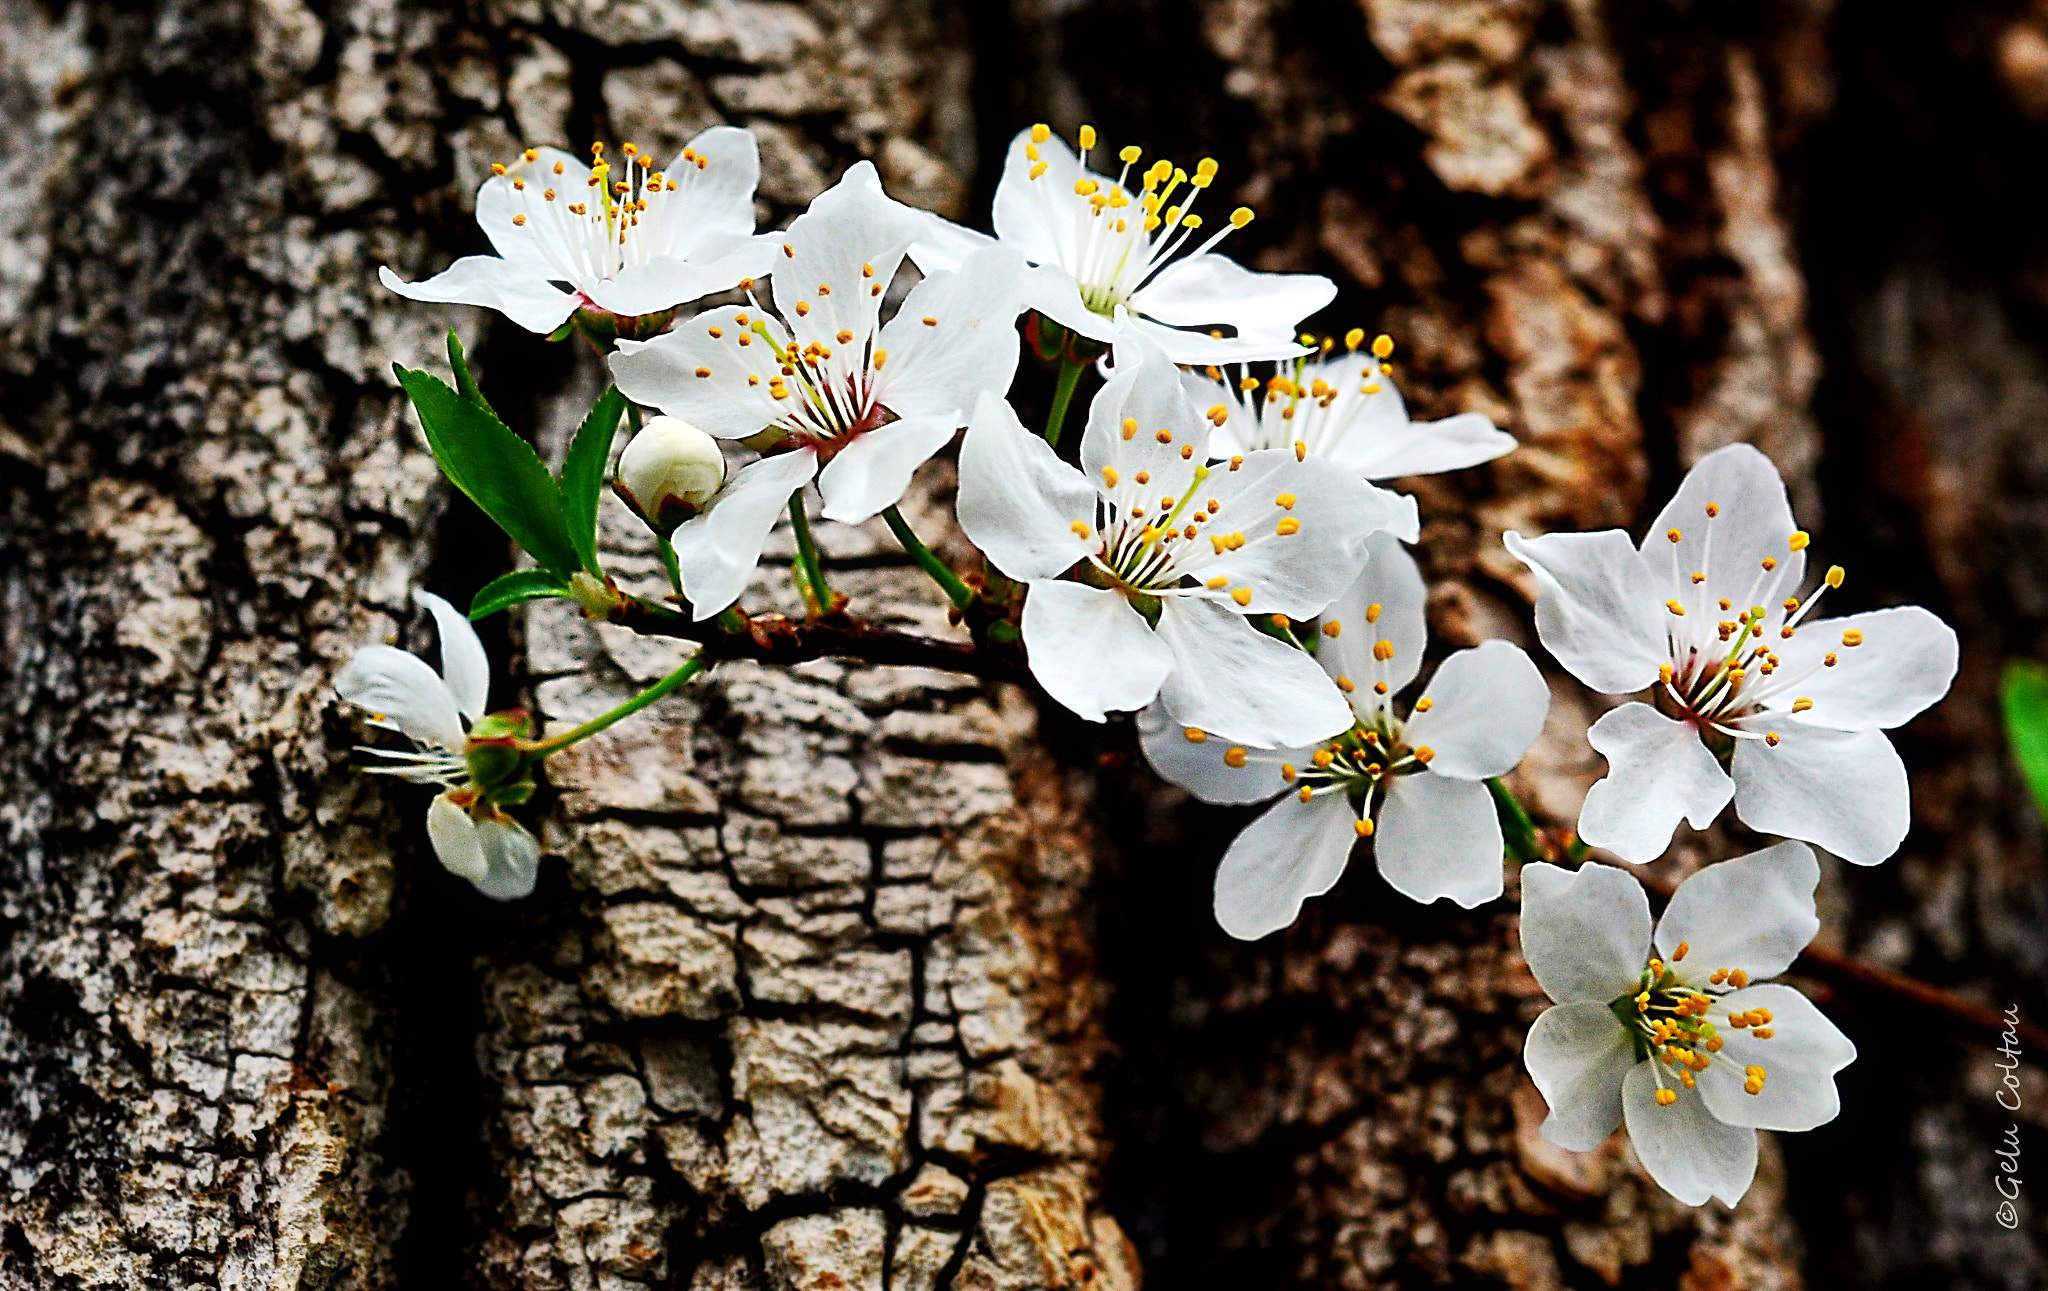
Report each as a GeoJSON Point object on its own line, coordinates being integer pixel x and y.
{"type": "Point", "coordinates": [465, 384]}
{"type": "Point", "coordinates": [496, 468]}
{"type": "Point", "coordinates": [519, 585]}
{"type": "Point", "coordinates": [2024, 695]}
{"type": "Point", "coordinates": [583, 474]}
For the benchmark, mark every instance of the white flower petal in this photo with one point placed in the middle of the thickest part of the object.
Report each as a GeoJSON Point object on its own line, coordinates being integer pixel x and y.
{"type": "Point", "coordinates": [1305, 526]}
{"type": "Point", "coordinates": [1392, 581]}
{"type": "Point", "coordinates": [1424, 447]}
{"type": "Point", "coordinates": [850, 228]}
{"type": "Point", "coordinates": [525, 297]}
{"type": "Point", "coordinates": [1755, 523]}
{"type": "Point", "coordinates": [1090, 650]}
{"type": "Point", "coordinates": [402, 689]}
{"type": "Point", "coordinates": [1596, 607]}
{"type": "Point", "coordinates": [1201, 768]}
{"type": "Point", "coordinates": [1053, 292]}
{"type": "Point", "coordinates": [1800, 1060]}
{"type": "Point", "coordinates": [718, 199]}
{"type": "Point", "coordinates": [731, 400]}
{"type": "Point", "coordinates": [720, 262]}
{"type": "Point", "coordinates": [1021, 218]}
{"type": "Point", "coordinates": [943, 245]}
{"type": "Point", "coordinates": [464, 665]}
{"type": "Point", "coordinates": [1440, 837]}
{"type": "Point", "coordinates": [1187, 345]}
{"type": "Point", "coordinates": [941, 368]}
{"type": "Point", "coordinates": [1585, 932]}
{"type": "Point", "coordinates": [454, 836]}
{"type": "Point", "coordinates": [1843, 790]}
{"type": "Point", "coordinates": [1754, 913]}
{"type": "Point", "coordinates": [717, 551]}
{"type": "Point", "coordinates": [1209, 289]}
{"type": "Point", "coordinates": [1018, 501]}
{"type": "Point", "coordinates": [872, 471]}
{"type": "Point", "coordinates": [1657, 772]}
{"type": "Point", "coordinates": [1146, 392]}
{"type": "Point", "coordinates": [1238, 683]}
{"type": "Point", "coordinates": [513, 857]}
{"type": "Point", "coordinates": [1906, 662]}
{"type": "Point", "coordinates": [1690, 1154]}
{"type": "Point", "coordinates": [1579, 1056]}
{"type": "Point", "coordinates": [1487, 707]}
{"type": "Point", "coordinates": [1295, 851]}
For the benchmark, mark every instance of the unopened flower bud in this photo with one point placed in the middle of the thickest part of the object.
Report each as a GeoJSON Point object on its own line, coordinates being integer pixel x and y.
{"type": "Point", "coordinates": [669, 471]}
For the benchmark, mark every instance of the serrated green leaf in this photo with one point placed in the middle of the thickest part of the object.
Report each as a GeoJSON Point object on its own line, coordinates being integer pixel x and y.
{"type": "Point", "coordinates": [465, 383]}
{"type": "Point", "coordinates": [496, 468]}
{"type": "Point", "coordinates": [583, 474]}
{"type": "Point", "coordinates": [515, 587]}
{"type": "Point", "coordinates": [2024, 696]}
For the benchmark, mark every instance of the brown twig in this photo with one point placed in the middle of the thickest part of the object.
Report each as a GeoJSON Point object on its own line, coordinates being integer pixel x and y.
{"type": "Point", "coordinates": [774, 638]}
{"type": "Point", "coordinates": [1861, 977]}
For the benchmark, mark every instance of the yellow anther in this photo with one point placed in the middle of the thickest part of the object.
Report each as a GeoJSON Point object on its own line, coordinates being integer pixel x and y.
{"type": "Point", "coordinates": [803, 307]}
{"type": "Point", "coordinates": [1675, 608]}
{"type": "Point", "coordinates": [1379, 688]}
{"type": "Point", "coordinates": [1300, 451]}
{"type": "Point", "coordinates": [1769, 563]}
{"type": "Point", "coordinates": [1163, 436]}
{"type": "Point", "coordinates": [1364, 827]}
{"type": "Point", "coordinates": [1771, 739]}
{"type": "Point", "coordinates": [1323, 757]}
{"type": "Point", "coordinates": [1109, 476]}
{"type": "Point", "coordinates": [1218, 414]}
{"type": "Point", "coordinates": [1242, 595]}
{"type": "Point", "coordinates": [881, 357]}
{"type": "Point", "coordinates": [1801, 704]}
{"type": "Point", "coordinates": [1333, 627]}
{"type": "Point", "coordinates": [1424, 704]}
{"type": "Point", "coordinates": [1086, 188]}
{"type": "Point", "coordinates": [1714, 1044]}
{"type": "Point", "coordinates": [1664, 673]}
{"type": "Point", "coordinates": [1287, 527]}
{"type": "Point", "coordinates": [1195, 735]}
{"type": "Point", "coordinates": [497, 168]}
{"type": "Point", "coordinates": [1382, 346]}
{"type": "Point", "coordinates": [519, 219]}
{"type": "Point", "coordinates": [1081, 530]}
{"type": "Point", "coordinates": [1372, 612]}
{"type": "Point", "coordinates": [1087, 138]}
{"type": "Point", "coordinates": [1852, 637]}
{"type": "Point", "coordinates": [1674, 535]}
{"type": "Point", "coordinates": [1217, 583]}
{"type": "Point", "coordinates": [1798, 541]}
{"type": "Point", "coordinates": [1041, 132]}
{"type": "Point", "coordinates": [1285, 501]}
{"type": "Point", "coordinates": [1240, 217]}
{"type": "Point", "coordinates": [1835, 575]}
{"type": "Point", "coordinates": [1280, 621]}
{"type": "Point", "coordinates": [1737, 978]}
{"type": "Point", "coordinates": [1236, 461]}
{"type": "Point", "coordinates": [1130, 154]}
{"type": "Point", "coordinates": [1763, 1033]}
{"type": "Point", "coordinates": [703, 372]}
{"type": "Point", "coordinates": [1039, 169]}
{"type": "Point", "coordinates": [1234, 756]}
{"type": "Point", "coordinates": [1666, 1097]}
{"type": "Point", "coordinates": [1383, 650]}
{"type": "Point", "coordinates": [1679, 954]}
{"type": "Point", "coordinates": [1130, 427]}
{"type": "Point", "coordinates": [1345, 684]}
{"type": "Point", "coordinates": [1424, 754]}
{"type": "Point", "coordinates": [1287, 772]}
{"type": "Point", "coordinates": [1306, 793]}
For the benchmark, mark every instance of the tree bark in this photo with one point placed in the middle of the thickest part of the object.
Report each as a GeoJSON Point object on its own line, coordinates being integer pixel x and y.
{"type": "Point", "coordinates": [844, 976]}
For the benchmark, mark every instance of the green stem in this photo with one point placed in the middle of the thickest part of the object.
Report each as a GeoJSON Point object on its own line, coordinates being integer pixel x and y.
{"type": "Point", "coordinates": [694, 665]}
{"type": "Point", "coordinates": [1063, 394]}
{"type": "Point", "coordinates": [1520, 831]}
{"type": "Point", "coordinates": [811, 574]}
{"type": "Point", "coordinates": [956, 591]}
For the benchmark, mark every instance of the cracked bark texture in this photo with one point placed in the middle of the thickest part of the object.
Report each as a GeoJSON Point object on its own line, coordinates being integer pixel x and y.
{"type": "Point", "coordinates": [845, 977]}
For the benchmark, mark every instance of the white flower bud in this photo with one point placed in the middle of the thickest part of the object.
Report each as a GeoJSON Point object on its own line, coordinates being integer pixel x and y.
{"type": "Point", "coordinates": [669, 471]}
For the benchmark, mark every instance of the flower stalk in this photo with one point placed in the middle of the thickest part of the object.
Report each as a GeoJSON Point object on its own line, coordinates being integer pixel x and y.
{"type": "Point", "coordinates": [692, 667]}
{"type": "Point", "coordinates": [1063, 389]}
{"type": "Point", "coordinates": [956, 591]}
{"type": "Point", "coordinates": [810, 573]}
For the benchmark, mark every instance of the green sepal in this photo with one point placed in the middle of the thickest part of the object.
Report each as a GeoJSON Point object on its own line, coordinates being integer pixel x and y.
{"type": "Point", "coordinates": [1624, 1010]}
{"type": "Point", "coordinates": [513, 588]}
{"type": "Point", "coordinates": [505, 724]}
{"type": "Point", "coordinates": [497, 469]}
{"type": "Point", "coordinates": [2023, 694]}
{"type": "Point", "coordinates": [583, 474]}
{"type": "Point", "coordinates": [510, 794]}
{"type": "Point", "coordinates": [494, 757]}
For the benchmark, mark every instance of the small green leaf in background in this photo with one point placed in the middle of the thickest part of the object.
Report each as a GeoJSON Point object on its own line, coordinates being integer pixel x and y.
{"type": "Point", "coordinates": [497, 469]}
{"type": "Point", "coordinates": [2024, 694]}
{"type": "Point", "coordinates": [519, 585]}
{"type": "Point", "coordinates": [583, 474]}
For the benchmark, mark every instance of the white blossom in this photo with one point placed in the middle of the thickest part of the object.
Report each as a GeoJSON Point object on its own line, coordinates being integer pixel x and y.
{"type": "Point", "coordinates": [628, 239]}
{"type": "Point", "coordinates": [858, 403]}
{"type": "Point", "coordinates": [1416, 785]}
{"type": "Point", "coordinates": [1679, 1034]}
{"type": "Point", "coordinates": [1103, 243]}
{"type": "Point", "coordinates": [473, 838]}
{"type": "Point", "coordinates": [1753, 698]}
{"type": "Point", "coordinates": [1342, 405]}
{"type": "Point", "coordinates": [1143, 570]}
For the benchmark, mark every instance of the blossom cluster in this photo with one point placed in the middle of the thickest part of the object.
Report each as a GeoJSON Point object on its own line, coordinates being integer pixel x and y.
{"type": "Point", "coordinates": [1217, 555]}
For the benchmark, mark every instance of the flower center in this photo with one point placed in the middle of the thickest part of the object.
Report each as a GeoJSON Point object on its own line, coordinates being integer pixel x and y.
{"type": "Point", "coordinates": [589, 227]}
{"type": "Point", "coordinates": [1672, 1020]}
{"type": "Point", "coordinates": [1104, 230]}
{"type": "Point", "coordinates": [1724, 666]}
{"type": "Point", "coordinates": [1310, 401]}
